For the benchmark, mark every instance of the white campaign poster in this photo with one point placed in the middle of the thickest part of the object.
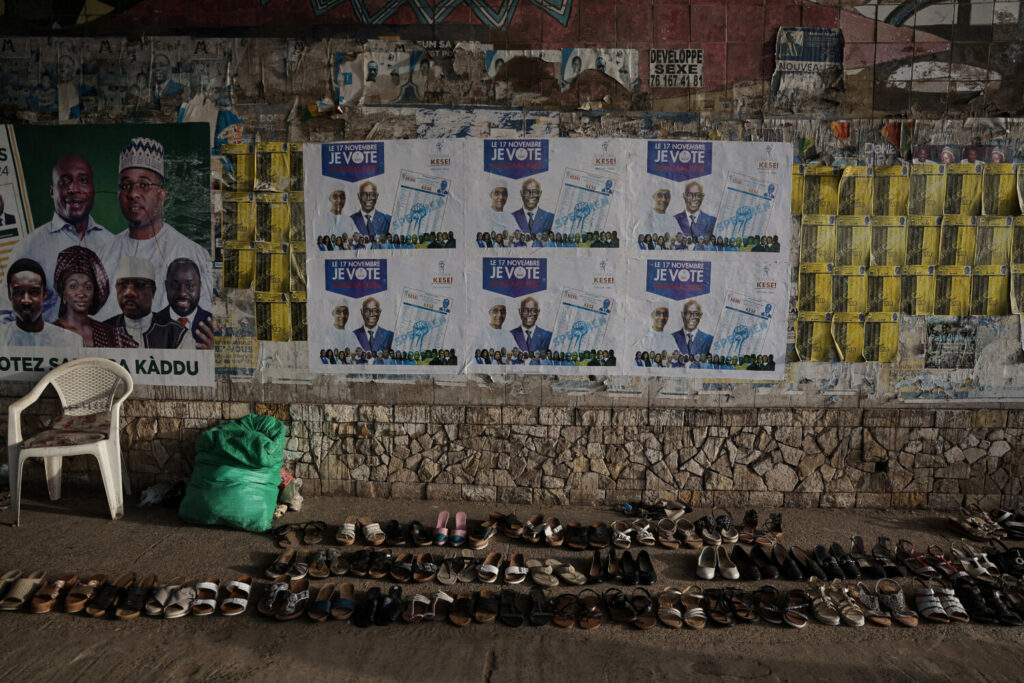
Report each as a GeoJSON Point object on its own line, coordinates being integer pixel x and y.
{"type": "Point", "coordinates": [526, 195]}
{"type": "Point", "coordinates": [398, 194]}
{"type": "Point", "coordinates": [558, 314]}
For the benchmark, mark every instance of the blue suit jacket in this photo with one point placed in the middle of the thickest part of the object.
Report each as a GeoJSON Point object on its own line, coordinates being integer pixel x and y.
{"type": "Point", "coordinates": [542, 221]}
{"type": "Point", "coordinates": [379, 225]}
{"type": "Point", "coordinates": [202, 316]}
{"type": "Point", "coordinates": [539, 340]}
{"type": "Point", "coordinates": [381, 339]}
{"type": "Point", "coordinates": [705, 225]}
{"type": "Point", "coordinates": [701, 342]}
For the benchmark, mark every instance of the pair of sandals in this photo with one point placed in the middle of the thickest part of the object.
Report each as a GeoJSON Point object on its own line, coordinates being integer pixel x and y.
{"type": "Point", "coordinates": [419, 608]}
{"type": "Point", "coordinates": [404, 570]}
{"type": "Point", "coordinates": [372, 533]}
{"type": "Point", "coordinates": [671, 605]}
{"type": "Point", "coordinates": [583, 609]}
{"type": "Point", "coordinates": [291, 563]}
{"type": "Point", "coordinates": [288, 535]}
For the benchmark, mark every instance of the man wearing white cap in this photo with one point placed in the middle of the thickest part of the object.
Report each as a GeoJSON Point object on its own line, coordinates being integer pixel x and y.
{"type": "Point", "coordinates": [494, 337]}
{"type": "Point", "coordinates": [135, 287]}
{"type": "Point", "coordinates": [141, 193]}
{"type": "Point", "coordinates": [336, 222]}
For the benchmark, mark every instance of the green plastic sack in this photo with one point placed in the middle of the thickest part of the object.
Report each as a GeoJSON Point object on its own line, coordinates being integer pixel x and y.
{"type": "Point", "coordinates": [236, 475]}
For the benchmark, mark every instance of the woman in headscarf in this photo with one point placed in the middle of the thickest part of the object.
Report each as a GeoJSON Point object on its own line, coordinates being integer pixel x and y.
{"type": "Point", "coordinates": [83, 287]}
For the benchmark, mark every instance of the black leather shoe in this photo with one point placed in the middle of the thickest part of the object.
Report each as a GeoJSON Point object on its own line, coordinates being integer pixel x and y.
{"type": "Point", "coordinates": [394, 533]}
{"type": "Point", "coordinates": [645, 570]}
{"type": "Point", "coordinates": [612, 570]}
{"type": "Point", "coordinates": [807, 564]}
{"type": "Point", "coordinates": [764, 563]}
{"type": "Point", "coordinates": [829, 563]}
{"type": "Point", "coordinates": [629, 575]}
{"type": "Point", "coordinates": [418, 534]}
{"type": "Point", "coordinates": [595, 573]}
{"type": "Point", "coordinates": [786, 564]}
{"type": "Point", "coordinates": [748, 570]}
{"type": "Point", "coordinates": [846, 562]}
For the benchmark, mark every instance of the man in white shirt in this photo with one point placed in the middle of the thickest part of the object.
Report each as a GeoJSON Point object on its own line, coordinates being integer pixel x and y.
{"type": "Point", "coordinates": [26, 288]}
{"type": "Point", "coordinates": [497, 220]}
{"type": "Point", "coordinates": [657, 220]}
{"type": "Point", "coordinates": [656, 338]}
{"type": "Point", "coordinates": [72, 225]}
{"type": "Point", "coordinates": [135, 287]}
{"type": "Point", "coordinates": [494, 337]}
{"type": "Point", "coordinates": [141, 193]}
{"type": "Point", "coordinates": [337, 336]}
{"type": "Point", "coordinates": [335, 222]}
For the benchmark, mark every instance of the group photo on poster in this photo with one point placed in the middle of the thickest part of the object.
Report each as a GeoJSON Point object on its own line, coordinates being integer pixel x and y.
{"type": "Point", "coordinates": [707, 317]}
{"type": "Point", "coordinates": [558, 193]}
{"type": "Point", "coordinates": [112, 258]}
{"type": "Point", "coordinates": [555, 315]}
{"type": "Point", "coordinates": [385, 315]}
{"type": "Point", "coordinates": [710, 196]}
{"type": "Point", "coordinates": [398, 194]}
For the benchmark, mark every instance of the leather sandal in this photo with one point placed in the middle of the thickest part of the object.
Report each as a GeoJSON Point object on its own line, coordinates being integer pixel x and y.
{"type": "Point", "coordinates": [485, 607]}
{"type": "Point", "coordinates": [643, 604]}
{"type": "Point", "coordinates": [461, 611]}
{"type": "Point", "coordinates": [46, 598]}
{"type": "Point", "coordinates": [295, 603]}
{"type": "Point", "coordinates": [132, 603]}
{"type": "Point", "coordinates": [81, 593]}
{"type": "Point", "coordinates": [540, 611]}
{"type": "Point", "coordinates": [798, 602]}
{"type": "Point", "coordinates": [692, 602]}
{"type": "Point", "coordinates": [669, 613]}
{"type": "Point", "coordinates": [619, 606]}
{"type": "Point", "coordinates": [564, 610]}
{"type": "Point", "coordinates": [554, 533]}
{"type": "Point", "coordinates": [509, 612]}
{"type": "Point", "coordinates": [588, 605]}
{"type": "Point", "coordinates": [890, 595]}
{"type": "Point", "coordinates": [108, 594]}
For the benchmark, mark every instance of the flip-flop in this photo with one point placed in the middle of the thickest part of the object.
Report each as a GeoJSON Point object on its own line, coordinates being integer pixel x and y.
{"type": "Point", "coordinates": [205, 603]}
{"type": "Point", "coordinates": [132, 603]}
{"type": "Point", "coordinates": [347, 532]}
{"type": "Point", "coordinates": [564, 614]}
{"type": "Point", "coordinates": [48, 596]}
{"type": "Point", "coordinates": [318, 567]}
{"type": "Point", "coordinates": [447, 575]}
{"type": "Point", "coordinates": [441, 530]}
{"type": "Point", "coordinates": [108, 594]}
{"type": "Point", "coordinates": [459, 535]}
{"type": "Point", "coordinates": [338, 563]}
{"type": "Point", "coordinates": [590, 613]}
{"type": "Point", "coordinates": [321, 607]}
{"type": "Point", "coordinates": [542, 574]}
{"type": "Point", "coordinates": [237, 600]}
{"type": "Point", "coordinates": [344, 602]}
{"type": "Point", "coordinates": [21, 591]}
{"type": "Point", "coordinates": [488, 571]}
{"type": "Point", "coordinates": [469, 566]}
{"type": "Point", "coordinates": [567, 573]}
{"type": "Point", "coordinates": [285, 536]}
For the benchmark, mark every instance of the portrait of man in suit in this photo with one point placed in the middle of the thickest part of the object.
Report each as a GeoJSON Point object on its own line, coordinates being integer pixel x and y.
{"type": "Point", "coordinates": [690, 339]}
{"type": "Point", "coordinates": [531, 218]}
{"type": "Point", "coordinates": [183, 284]}
{"type": "Point", "coordinates": [368, 220]}
{"type": "Point", "coordinates": [371, 337]}
{"type": "Point", "coordinates": [692, 221]}
{"type": "Point", "coordinates": [5, 218]}
{"type": "Point", "coordinates": [528, 336]}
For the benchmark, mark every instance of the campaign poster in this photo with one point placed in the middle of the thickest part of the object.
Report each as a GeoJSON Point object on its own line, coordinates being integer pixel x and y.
{"type": "Point", "coordinates": [372, 313]}
{"type": "Point", "coordinates": [545, 314]}
{"type": "Point", "coordinates": [710, 197]}
{"type": "Point", "coordinates": [540, 194]}
{"type": "Point", "coordinates": [109, 235]}
{"type": "Point", "coordinates": [705, 315]}
{"type": "Point", "coordinates": [373, 196]}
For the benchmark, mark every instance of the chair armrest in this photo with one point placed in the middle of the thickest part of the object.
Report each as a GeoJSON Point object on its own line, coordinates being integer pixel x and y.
{"type": "Point", "coordinates": [15, 410]}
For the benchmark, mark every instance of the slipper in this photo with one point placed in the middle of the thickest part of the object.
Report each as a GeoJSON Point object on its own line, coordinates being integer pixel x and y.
{"type": "Point", "coordinates": [510, 525]}
{"type": "Point", "coordinates": [344, 602]}
{"type": "Point", "coordinates": [488, 570]}
{"type": "Point", "coordinates": [161, 597]}
{"type": "Point", "coordinates": [298, 569]}
{"type": "Point", "coordinates": [285, 536]}
{"type": "Point", "coordinates": [461, 611]}
{"type": "Point", "coordinates": [564, 610]}
{"type": "Point", "coordinates": [380, 564]}
{"type": "Point", "coordinates": [668, 613]}
{"type": "Point", "coordinates": [447, 576]}
{"type": "Point", "coordinates": [346, 532]}
{"type": "Point", "coordinates": [321, 607]}
{"type": "Point", "coordinates": [318, 567]}
{"type": "Point", "coordinates": [539, 613]}
{"type": "Point", "coordinates": [482, 533]}
{"type": "Point", "coordinates": [22, 591]}
{"type": "Point", "coordinates": [599, 536]}
{"type": "Point", "coordinates": [440, 606]}
{"type": "Point", "coordinates": [415, 608]}
{"type": "Point", "coordinates": [237, 599]}
{"type": "Point", "coordinates": [485, 607]}
{"type": "Point", "coordinates": [425, 569]}
{"type": "Point", "coordinates": [359, 564]}
{"type": "Point", "coordinates": [313, 532]}
{"type": "Point", "coordinates": [205, 603]}
{"type": "Point", "coordinates": [458, 536]}
{"type": "Point", "coordinates": [281, 564]}
{"type": "Point", "coordinates": [107, 594]}
{"type": "Point", "coordinates": [389, 608]}
{"type": "Point", "coordinates": [589, 607]}
{"type": "Point", "coordinates": [371, 531]}
{"type": "Point", "coordinates": [567, 573]}
{"type": "Point", "coordinates": [48, 596]}
{"type": "Point", "coordinates": [576, 536]}
{"type": "Point", "coordinates": [469, 567]}
{"type": "Point", "coordinates": [554, 534]}
{"type": "Point", "coordinates": [515, 572]}
{"type": "Point", "coordinates": [401, 568]}
{"type": "Point", "coordinates": [295, 604]}
{"type": "Point", "coordinates": [131, 604]}
{"type": "Point", "coordinates": [339, 565]}
{"type": "Point", "coordinates": [181, 603]}
{"type": "Point", "coordinates": [394, 533]}
{"type": "Point", "coordinates": [441, 530]}
{"type": "Point", "coordinates": [542, 574]}
{"type": "Point", "coordinates": [508, 609]}
{"type": "Point", "coordinates": [534, 529]}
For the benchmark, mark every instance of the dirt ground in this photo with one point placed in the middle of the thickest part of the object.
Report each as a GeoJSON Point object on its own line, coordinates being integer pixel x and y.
{"type": "Point", "coordinates": [75, 534]}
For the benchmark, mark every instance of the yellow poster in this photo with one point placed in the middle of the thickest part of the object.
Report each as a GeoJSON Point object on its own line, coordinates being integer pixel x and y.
{"type": "Point", "coordinates": [855, 191]}
{"type": "Point", "coordinates": [297, 267]}
{"type": "Point", "coordinates": [923, 234]}
{"type": "Point", "coordinates": [848, 334]}
{"type": "Point", "coordinates": [797, 201]}
{"type": "Point", "coordinates": [882, 337]}
{"type": "Point", "coordinates": [1017, 248]}
{"type": "Point", "coordinates": [814, 291]}
{"type": "Point", "coordinates": [850, 289]}
{"type": "Point", "coordinates": [999, 190]}
{"type": "Point", "coordinates": [990, 290]}
{"type": "Point", "coordinates": [927, 190]}
{"type": "Point", "coordinates": [273, 317]}
{"type": "Point", "coordinates": [891, 188]}
{"type": "Point", "coordinates": [273, 163]}
{"type": "Point", "coordinates": [814, 336]}
{"type": "Point", "coordinates": [958, 240]}
{"type": "Point", "coordinates": [918, 290]}
{"type": "Point", "coordinates": [963, 189]}
{"type": "Point", "coordinates": [818, 239]}
{"type": "Point", "coordinates": [993, 244]}
{"type": "Point", "coordinates": [821, 190]}
{"type": "Point", "coordinates": [297, 309]}
{"type": "Point", "coordinates": [1017, 288]}
{"type": "Point", "coordinates": [238, 218]}
{"type": "Point", "coordinates": [272, 268]}
{"type": "Point", "coordinates": [888, 240]}
{"type": "Point", "coordinates": [295, 166]}
{"type": "Point", "coordinates": [884, 289]}
{"type": "Point", "coordinates": [296, 217]}
{"type": "Point", "coordinates": [853, 240]}
{"type": "Point", "coordinates": [239, 167]}
{"type": "Point", "coordinates": [273, 222]}
{"type": "Point", "coordinates": [239, 264]}
{"type": "Point", "coordinates": [953, 290]}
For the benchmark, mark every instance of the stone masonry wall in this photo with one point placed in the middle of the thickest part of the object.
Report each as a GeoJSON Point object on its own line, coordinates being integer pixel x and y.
{"type": "Point", "coordinates": [732, 458]}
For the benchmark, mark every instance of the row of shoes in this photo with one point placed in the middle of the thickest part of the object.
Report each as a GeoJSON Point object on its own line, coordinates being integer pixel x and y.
{"type": "Point", "coordinates": [998, 524]}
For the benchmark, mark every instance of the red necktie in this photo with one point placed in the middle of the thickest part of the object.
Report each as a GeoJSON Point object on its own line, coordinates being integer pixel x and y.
{"type": "Point", "coordinates": [183, 321]}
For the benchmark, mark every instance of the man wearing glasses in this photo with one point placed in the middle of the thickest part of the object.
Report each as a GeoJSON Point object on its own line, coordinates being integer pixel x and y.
{"type": "Point", "coordinates": [531, 218]}
{"type": "Point", "coordinates": [692, 221]}
{"type": "Point", "coordinates": [689, 339]}
{"type": "Point", "coordinates": [141, 194]}
{"type": "Point", "coordinates": [370, 336]}
{"type": "Point", "coordinates": [528, 336]}
{"type": "Point", "coordinates": [657, 220]}
{"type": "Point", "coordinates": [337, 336]}
{"type": "Point", "coordinates": [368, 220]}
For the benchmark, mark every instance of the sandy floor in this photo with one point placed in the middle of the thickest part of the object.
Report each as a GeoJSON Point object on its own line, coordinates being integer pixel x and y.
{"type": "Point", "coordinates": [75, 534]}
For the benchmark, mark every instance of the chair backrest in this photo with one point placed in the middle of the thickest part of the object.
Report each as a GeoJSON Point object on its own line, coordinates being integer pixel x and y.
{"type": "Point", "coordinates": [90, 385]}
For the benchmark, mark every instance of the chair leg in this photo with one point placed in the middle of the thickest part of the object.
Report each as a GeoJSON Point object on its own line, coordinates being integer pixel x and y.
{"type": "Point", "coordinates": [14, 463]}
{"type": "Point", "coordinates": [52, 465]}
{"type": "Point", "coordinates": [111, 473]}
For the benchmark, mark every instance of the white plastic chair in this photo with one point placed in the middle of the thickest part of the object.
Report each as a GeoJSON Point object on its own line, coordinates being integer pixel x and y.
{"type": "Point", "coordinates": [91, 391]}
